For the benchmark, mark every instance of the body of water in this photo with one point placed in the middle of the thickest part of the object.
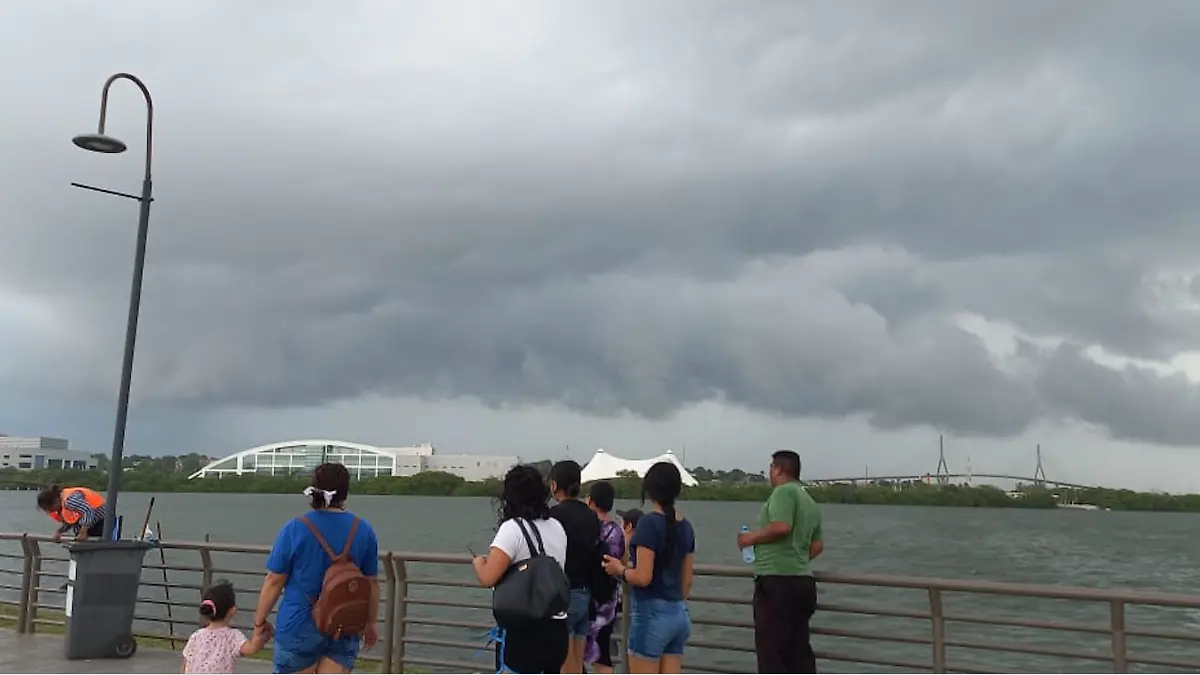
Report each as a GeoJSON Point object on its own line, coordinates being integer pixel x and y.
{"type": "Point", "coordinates": [1155, 551]}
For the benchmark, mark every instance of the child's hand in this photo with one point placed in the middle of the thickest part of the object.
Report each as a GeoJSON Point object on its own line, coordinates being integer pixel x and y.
{"type": "Point", "coordinates": [258, 639]}
{"type": "Point", "coordinates": [263, 633]}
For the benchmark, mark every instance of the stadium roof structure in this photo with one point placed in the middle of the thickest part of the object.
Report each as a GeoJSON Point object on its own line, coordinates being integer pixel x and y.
{"type": "Point", "coordinates": [236, 463]}
{"type": "Point", "coordinates": [606, 466]}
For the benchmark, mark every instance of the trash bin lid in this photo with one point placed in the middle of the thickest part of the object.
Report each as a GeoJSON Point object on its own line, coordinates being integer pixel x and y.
{"type": "Point", "coordinates": [102, 545]}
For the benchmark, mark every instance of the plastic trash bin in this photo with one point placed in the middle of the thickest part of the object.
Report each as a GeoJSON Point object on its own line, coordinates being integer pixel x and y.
{"type": "Point", "coordinates": [102, 591]}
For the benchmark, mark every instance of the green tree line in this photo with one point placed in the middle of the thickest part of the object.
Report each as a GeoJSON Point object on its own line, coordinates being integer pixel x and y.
{"type": "Point", "coordinates": [156, 477]}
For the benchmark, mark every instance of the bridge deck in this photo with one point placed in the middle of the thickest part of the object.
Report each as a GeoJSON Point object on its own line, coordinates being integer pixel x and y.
{"type": "Point", "coordinates": [43, 653]}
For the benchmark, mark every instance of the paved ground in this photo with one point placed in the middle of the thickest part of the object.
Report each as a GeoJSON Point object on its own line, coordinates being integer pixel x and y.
{"type": "Point", "coordinates": [42, 653]}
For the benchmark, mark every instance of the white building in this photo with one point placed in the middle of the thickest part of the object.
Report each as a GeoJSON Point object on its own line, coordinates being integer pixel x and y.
{"type": "Point", "coordinates": [605, 466]}
{"type": "Point", "coordinates": [363, 461]}
{"type": "Point", "coordinates": [27, 453]}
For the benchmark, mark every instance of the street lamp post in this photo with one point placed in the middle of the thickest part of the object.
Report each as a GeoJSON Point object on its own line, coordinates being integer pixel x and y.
{"type": "Point", "coordinates": [100, 142]}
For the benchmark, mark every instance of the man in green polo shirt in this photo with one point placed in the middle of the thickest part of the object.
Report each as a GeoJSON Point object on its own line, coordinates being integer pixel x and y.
{"type": "Point", "coordinates": [788, 538]}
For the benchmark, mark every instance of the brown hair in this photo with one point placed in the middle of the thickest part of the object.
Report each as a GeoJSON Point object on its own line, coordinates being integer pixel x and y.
{"type": "Point", "coordinates": [330, 477]}
{"type": "Point", "coordinates": [47, 496]}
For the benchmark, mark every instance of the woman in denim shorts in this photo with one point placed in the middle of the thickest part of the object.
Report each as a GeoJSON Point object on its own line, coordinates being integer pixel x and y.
{"type": "Point", "coordinates": [660, 572]}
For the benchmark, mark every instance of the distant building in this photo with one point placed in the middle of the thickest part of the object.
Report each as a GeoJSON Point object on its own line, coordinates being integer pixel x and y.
{"type": "Point", "coordinates": [605, 466]}
{"type": "Point", "coordinates": [363, 461]}
{"type": "Point", "coordinates": [26, 453]}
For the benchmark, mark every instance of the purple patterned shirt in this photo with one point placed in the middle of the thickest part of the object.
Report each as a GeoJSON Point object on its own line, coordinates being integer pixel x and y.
{"type": "Point", "coordinates": [614, 540]}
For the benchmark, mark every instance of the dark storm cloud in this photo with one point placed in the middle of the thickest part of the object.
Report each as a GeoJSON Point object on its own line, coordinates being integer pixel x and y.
{"type": "Point", "coordinates": [1133, 403]}
{"type": "Point", "coordinates": [628, 209]}
{"type": "Point", "coordinates": [607, 345]}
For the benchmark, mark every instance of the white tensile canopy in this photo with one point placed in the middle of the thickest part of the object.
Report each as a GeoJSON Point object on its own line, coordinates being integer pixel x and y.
{"type": "Point", "coordinates": [604, 466]}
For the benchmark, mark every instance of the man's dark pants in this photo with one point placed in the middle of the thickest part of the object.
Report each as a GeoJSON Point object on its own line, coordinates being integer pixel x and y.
{"type": "Point", "coordinates": [783, 607]}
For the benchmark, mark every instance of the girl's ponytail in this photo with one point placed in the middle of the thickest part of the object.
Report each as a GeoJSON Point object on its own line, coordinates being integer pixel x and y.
{"type": "Point", "coordinates": [217, 601]}
{"type": "Point", "coordinates": [672, 529]}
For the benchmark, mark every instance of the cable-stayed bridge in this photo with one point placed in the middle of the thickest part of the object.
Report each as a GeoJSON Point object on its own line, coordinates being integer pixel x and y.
{"type": "Point", "coordinates": [943, 476]}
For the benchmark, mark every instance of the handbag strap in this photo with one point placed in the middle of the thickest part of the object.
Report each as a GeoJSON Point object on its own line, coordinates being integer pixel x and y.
{"type": "Point", "coordinates": [541, 548]}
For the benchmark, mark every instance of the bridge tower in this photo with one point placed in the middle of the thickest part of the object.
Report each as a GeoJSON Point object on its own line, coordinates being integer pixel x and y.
{"type": "Point", "coordinates": [1039, 474]}
{"type": "Point", "coordinates": [943, 470]}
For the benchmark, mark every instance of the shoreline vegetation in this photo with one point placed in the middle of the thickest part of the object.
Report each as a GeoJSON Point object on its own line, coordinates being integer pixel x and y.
{"type": "Point", "coordinates": [738, 487]}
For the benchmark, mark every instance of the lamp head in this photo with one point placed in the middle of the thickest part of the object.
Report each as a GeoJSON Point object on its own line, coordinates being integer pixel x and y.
{"type": "Point", "coordinates": [99, 143]}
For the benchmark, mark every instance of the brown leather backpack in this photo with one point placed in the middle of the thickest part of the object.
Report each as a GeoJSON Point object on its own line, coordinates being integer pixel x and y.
{"type": "Point", "coordinates": [343, 607]}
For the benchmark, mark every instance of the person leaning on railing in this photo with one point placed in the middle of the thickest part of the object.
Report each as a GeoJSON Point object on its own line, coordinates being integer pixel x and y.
{"type": "Point", "coordinates": [785, 595]}
{"type": "Point", "coordinates": [77, 509]}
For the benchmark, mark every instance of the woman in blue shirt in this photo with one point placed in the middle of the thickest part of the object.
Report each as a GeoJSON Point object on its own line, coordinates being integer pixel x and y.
{"type": "Point", "coordinates": [296, 568]}
{"type": "Point", "coordinates": [660, 571]}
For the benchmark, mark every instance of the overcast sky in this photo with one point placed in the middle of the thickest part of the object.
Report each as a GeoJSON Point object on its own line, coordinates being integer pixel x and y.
{"type": "Point", "coordinates": [513, 227]}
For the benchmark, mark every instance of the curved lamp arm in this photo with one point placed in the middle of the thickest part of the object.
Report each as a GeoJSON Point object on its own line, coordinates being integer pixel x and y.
{"type": "Point", "coordinates": [149, 111]}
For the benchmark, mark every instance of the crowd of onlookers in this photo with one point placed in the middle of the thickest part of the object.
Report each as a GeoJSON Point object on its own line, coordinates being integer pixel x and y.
{"type": "Point", "coordinates": [652, 552]}
{"type": "Point", "coordinates": [561, 576]}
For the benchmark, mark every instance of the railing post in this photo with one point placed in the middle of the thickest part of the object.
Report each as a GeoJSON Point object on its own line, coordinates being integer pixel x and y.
{"type": "Point", "coordinates": [389, 614]}
{"type": "Point", "coordinates": [35, 581]}
{"type": "Point", "coordinates": [626, 604]}
{"type": "Point", "coordinates": [206, 564]}
{"type": "Point", "coordinates": [1116, 616]}
{"type": "Point", "coordinates": [399, 612]}
{"type": "Point", "coordinates": [26, 583]}
{"type": "Point", "coordinates": [937, 619]}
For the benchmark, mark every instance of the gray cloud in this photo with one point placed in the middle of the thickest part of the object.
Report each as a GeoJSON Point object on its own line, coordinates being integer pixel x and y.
{"type": "Point", "coordinates": [629, 210]}
{"type": "Point", "coordinates": [1132, 403]}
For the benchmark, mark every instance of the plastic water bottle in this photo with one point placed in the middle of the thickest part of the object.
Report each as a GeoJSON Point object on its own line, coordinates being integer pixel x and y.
{"type": "Point", "coordinates": [748, 552]}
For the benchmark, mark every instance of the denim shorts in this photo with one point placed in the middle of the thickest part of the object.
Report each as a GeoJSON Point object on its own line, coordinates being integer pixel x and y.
{"type": "Point", "coordinates": [304, 646]}
{"type": "Point", "coordinates": [658, 628]}
{"type": "Point", "coordinates": [579, 620]}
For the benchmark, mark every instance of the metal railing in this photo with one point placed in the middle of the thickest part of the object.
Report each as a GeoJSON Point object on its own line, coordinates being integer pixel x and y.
{"type": "Point", "coordinates": [434, 615]}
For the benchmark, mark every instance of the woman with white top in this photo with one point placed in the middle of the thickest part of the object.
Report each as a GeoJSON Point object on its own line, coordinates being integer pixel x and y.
{"type": "Point", "coordinates": [542, 646]}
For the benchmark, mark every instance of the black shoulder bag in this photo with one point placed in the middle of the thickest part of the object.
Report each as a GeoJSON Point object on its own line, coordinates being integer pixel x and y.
{"type": "Point", "coordinates": [531, 590]}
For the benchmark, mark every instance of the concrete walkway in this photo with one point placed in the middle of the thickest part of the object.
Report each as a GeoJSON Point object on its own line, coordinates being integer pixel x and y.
{"type": "Point", "coordinates": [43, 653]}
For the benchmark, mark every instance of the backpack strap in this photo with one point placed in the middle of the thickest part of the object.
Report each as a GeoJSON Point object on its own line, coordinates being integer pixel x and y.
{"type": "Point", "coordinates": [540, 549]}
{"type": "Point", "coordinates": [321, 538]}
{"type": "Point", "coordinates": [349, 541]}
{"type": "Point", "coordinates": [345, 554]}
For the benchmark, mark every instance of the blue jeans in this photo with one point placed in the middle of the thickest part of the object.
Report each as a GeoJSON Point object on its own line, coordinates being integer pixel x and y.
{"type": "Point", "coordinates": [579, 619]}
{"type": "Point", "coordinates": [300, 648]}
{"type": "Point", "coordinates": [658, 628]}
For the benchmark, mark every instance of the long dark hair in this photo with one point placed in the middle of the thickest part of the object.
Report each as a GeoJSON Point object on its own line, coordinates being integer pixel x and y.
{"type": "Point", "coordinates": [525, 495]}
{"type": "Point", "coordinates": [330, 477]}
{"type": "Point", "coordinates": [662, 485]}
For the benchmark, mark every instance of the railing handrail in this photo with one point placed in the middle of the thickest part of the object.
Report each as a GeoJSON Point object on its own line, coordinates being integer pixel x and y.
{"type": "Point", "coordinates": [396, 599]}
{"type": "Point", "coordinates": [952, 585]}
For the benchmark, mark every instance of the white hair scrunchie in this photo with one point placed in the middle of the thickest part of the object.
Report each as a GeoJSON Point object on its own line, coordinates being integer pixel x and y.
{"type": "Point", "coordinates": [329, 494]}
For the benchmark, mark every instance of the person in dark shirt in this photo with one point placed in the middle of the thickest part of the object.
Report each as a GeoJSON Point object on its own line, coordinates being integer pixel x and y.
{"type": "Point", "coordinates": [629, 521]}
{"type": "Point", "coordinates": [583, 555]}
{"type": "Point", "coordinates": [662, 551]}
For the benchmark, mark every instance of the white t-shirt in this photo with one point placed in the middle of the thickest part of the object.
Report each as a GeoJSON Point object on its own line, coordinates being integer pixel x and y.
{"type": "Point", "coordinates": [510, 540]}
{"type": "Point", "coordinates": [554, 539]}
